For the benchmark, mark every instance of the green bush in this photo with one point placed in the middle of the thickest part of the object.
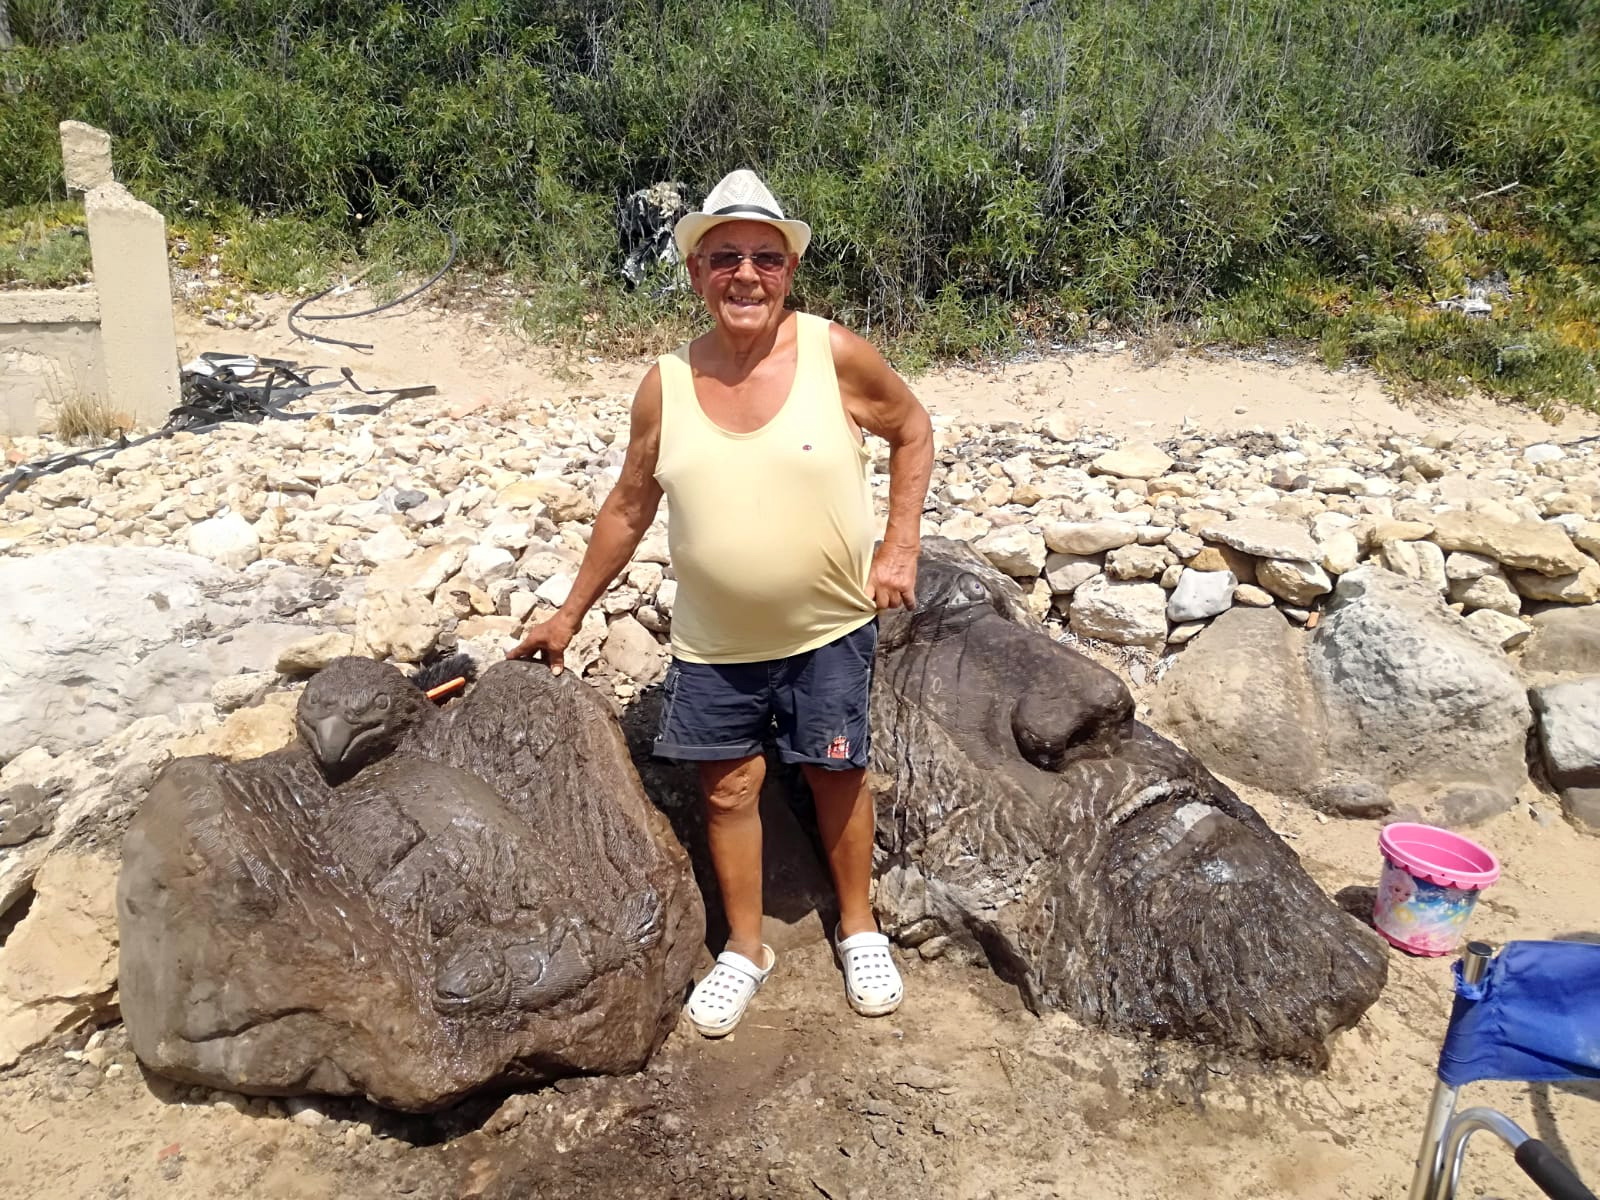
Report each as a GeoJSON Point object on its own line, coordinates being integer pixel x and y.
{"type": "Point", "coordinates": [43, 245]}
{"type": "Point", "coordinates": [969, 168]}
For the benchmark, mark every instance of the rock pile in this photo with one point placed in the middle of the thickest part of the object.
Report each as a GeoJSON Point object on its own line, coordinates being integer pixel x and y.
{"type": "Point", "coordinates": [466, 527]}
{"type": "Point", "coordinates": [1142, 545]}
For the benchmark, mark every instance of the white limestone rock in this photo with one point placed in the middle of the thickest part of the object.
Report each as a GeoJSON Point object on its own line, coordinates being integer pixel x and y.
{"type": "Point", "coordinates": [1016, 550]}
{"type": "Point", "coordinates": [1126, 613]}
{"type": "Point", "coordinates": [228, 540]}
{"type": "Point", "coordinates": [1201, 595]}
{"type": "Point", "coordinates": [1299, 583]}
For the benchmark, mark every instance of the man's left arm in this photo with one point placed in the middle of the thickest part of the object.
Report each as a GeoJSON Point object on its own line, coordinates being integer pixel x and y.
{"type": "Point", "coordinates": [879, 401]}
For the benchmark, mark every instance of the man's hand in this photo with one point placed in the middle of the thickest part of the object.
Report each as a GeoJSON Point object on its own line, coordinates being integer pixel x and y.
{"type": "Point", "coordinates": [894, 577]}
{"type": "Point", "coordinates": [548, 639]}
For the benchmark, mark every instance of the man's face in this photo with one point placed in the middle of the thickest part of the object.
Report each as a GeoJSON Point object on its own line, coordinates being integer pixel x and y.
{"type": "Point", "coordinates": [745, 294]}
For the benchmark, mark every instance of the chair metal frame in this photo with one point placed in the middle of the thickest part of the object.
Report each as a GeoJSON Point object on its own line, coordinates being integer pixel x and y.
{"type": "Point", "coordinates": [1446, 1132]}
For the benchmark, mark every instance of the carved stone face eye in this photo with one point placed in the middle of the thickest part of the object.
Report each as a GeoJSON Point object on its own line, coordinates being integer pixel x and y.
{"type": "Point", "coordinates": [381, 703]}
{"type": "Point", "coordinates": [968, 589]}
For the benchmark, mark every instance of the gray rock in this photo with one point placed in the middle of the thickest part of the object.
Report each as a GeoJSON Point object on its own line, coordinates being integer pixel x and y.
{"type": "Point", "coordinates": [77, 625]}
{"type": "Point", "coordinates": [229, 541]}
{"type": "Point", "coordinates": [1360, 799]}
{"type": "Point", "coordinates": [1463, 565]}
{"type": "Point", "coordinates": [1138, 562]}
{"type": "Point", "coordinates": [389, 544]}
{"type": "Point", "coordinates": [1239, 699]}
{"type": "Point", "coordinates": [241, 691]}
{"type": "Point", "coordinates": [1525, 545]}
{"type": "Point", "coordinates": [1565, 644]}
{"type": "Point", "coordinates": [485, 563]}
{"type": "Point", "coordinates": [1394, 700]}
{"type": "Point", "coordinates": [1458, 807]}
{"type": "Point", "coordinates": [1412, 699]}
{"type": "Point", "coordinates": [1134, 461]}
{"type": "Point", "coordinates": [59, 970]}
{"type": "Point", "coordinates": [631, 650]}
{"type": "Point", "coordinates": [1491, 590]}
{"type": "Point", "coordinates": [309, 655]}
{"type": "Point", "coordinates": [1569, 731]}
{"type": "Point", "coordinates": [1065, 573]}
{"type": "Point", "coordinates": [1265, 538]}
{"type": "Point", "coordinates": [1340, 552]}
{"type": "Point", "coordinates": [421, 571]}
{"type": "Point", "coordinates": [1089, 537]}
{"type": "Point", "coordinates": [1422, 561]}
{"type": "Point", "coordinates": [401, 625]}
{"type": "Point", "coordinates": [427, 513]}
{"type": "Point", "coordinates": [1498, 629]}
{"type": "Point", "coordinates": [1579, 587]}
{"type": "Point", "coordinates": [1015, 550]}
{"type": "Point", "coordinates": [24, 814]}
{"type": "Point", "coordinates": [1200, 595]}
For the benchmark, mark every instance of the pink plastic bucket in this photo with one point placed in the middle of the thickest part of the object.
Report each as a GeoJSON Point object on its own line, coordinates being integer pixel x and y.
{"type": "Point", "coordinates": [1430, 884]}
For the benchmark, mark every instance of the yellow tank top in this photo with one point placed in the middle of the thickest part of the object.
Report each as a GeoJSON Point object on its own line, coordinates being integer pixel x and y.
{"type": "Point", "coordinates": [770, 532]}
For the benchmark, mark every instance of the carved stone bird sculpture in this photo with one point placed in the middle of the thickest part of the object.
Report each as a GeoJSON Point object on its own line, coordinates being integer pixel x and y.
{"type": "Point", "coordinates": [408, 903]}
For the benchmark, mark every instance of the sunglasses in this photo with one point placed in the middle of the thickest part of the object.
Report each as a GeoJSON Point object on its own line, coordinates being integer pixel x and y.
{"type": "Point", "coordinates": [768, 262]}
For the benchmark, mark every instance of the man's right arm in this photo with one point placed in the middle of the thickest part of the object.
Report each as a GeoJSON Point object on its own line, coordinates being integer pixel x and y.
{"type": "Point", "coordinates": [621, 525]}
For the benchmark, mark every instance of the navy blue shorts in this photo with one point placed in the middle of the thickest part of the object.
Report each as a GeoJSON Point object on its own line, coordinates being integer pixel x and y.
{"type": "Point", "coordinates": [816, 703]}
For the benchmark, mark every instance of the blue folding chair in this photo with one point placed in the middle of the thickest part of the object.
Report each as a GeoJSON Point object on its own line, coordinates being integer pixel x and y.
{"type": "Point", "coordinates": [1530, 1014]}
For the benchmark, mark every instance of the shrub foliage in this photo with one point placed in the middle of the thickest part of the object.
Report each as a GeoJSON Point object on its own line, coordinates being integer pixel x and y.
{"type": "Point", "coordinates": [1310, 168]}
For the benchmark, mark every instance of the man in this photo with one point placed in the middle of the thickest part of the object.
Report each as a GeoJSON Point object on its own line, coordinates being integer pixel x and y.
{"type": "Point", "coordinates": [753, 431]}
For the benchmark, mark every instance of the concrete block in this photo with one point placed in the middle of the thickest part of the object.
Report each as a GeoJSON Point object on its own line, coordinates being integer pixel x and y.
{"type": "Point", "coordinates": [85, 156]}
{"type": "Point", "coordinates": [43, 363]}
{"type": "Point", "coordinates": [128, 242]}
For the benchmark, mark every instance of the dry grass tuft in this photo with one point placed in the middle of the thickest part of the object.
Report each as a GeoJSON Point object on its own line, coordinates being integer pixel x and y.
{"type": "Point", "coordinates": [87, 417]}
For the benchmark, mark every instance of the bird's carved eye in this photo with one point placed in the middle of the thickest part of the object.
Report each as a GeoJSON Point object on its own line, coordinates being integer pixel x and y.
{"type": "Point", "coordinates": [382, 703]}
{"type": "Point", "coordinates": [969, 589]}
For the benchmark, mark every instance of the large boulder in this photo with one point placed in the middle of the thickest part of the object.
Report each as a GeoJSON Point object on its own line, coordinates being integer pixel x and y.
{"type": "Point", "coordinates": [1413, 700]}
{"type": "Point", "coordinates": [1392, 700]}
{"type": "Point", "coordinates": [1025, 815]}
{"type": "Point", "coordinates": [93, 637]}
{"type": "Point", "coordinates": [1239, 698]}
{"type": "Point", "coordinates": [407, 903]}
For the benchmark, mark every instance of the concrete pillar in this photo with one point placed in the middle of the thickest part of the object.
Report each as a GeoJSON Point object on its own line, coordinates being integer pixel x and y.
{"type": "Point", "coordinates": [128, 243]}
{"type": "Point", "coordinates": [85, 155]}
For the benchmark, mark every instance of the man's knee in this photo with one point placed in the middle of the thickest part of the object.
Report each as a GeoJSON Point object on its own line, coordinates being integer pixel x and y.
{"type": "Point", "coordinates": [734, 785]}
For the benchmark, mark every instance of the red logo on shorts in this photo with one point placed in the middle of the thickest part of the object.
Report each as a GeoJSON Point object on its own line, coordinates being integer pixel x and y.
{"type": "Point", "coordinates": [839, 748]}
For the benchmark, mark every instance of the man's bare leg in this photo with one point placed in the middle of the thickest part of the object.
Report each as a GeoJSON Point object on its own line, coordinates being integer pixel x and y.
{"type": "Point", "coordinates": [732, 790]}
{"type": "Point", "coordinates": [845, 820]}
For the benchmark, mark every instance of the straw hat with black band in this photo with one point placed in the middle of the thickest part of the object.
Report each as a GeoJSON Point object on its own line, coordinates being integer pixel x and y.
{"type": "Point", "coordinates": [739, 196]}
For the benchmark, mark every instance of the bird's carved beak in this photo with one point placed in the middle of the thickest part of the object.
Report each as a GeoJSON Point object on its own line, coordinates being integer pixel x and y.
{"type": "Point", "coordinates": [332, 736]}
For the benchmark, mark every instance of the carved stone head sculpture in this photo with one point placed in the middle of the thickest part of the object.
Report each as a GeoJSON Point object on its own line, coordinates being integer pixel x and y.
{"type": "Point", "coordinates": [1025, 812]}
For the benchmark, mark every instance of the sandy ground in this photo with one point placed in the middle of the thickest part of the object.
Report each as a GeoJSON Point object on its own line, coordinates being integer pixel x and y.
{"type": "Point", "coordinates": [963, 1093]}
{"type": "Point", "coordinates": [1111, 387]}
